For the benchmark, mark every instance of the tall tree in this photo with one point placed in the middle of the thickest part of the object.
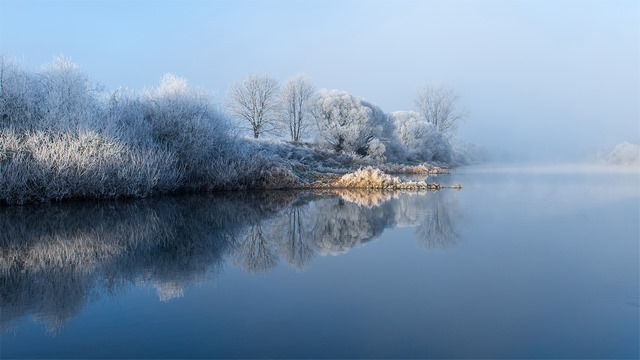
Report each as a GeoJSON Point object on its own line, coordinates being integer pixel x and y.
{"type": "Point", "coordinates": [296, 97]}
{"type": "Point", "coordinates": [256, 101]}
{"type": "Point", "coordinates": [437, 103]}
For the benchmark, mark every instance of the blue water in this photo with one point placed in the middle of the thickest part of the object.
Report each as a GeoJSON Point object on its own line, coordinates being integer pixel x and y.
{"type": "Point", "coordinates": [520, 263]}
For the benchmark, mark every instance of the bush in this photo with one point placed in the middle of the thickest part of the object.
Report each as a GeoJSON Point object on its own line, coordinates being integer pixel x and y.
{"type": "Point", "coordinates": [625, 154]}
{"type": "Point", "coordinates": [419, 139]}
{"type": "Point", "coordinates": [61, 137]}
{"type": "Point", "coordinates": [347, 123]}
{"type": "Point", "coordinates": [183, 121]}
{"type": "Point", "coordinates": [39, 166]}
{"type": "Point", "coordinates": [371, 178]}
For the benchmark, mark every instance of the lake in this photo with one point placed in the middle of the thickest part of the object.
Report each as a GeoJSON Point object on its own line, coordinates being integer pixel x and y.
{"type": "Point", "coordinates": [522, 262]}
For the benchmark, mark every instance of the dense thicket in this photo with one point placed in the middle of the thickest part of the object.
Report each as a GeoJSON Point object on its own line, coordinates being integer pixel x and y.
{"type": "Point", "coordinates": [62, 137]}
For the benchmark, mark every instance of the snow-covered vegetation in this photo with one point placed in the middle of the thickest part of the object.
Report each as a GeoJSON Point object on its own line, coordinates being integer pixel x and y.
{"type": "Point", "coordinates": [371, 178]}
{"type": "Point", "coordinates": [420, 140]}
{"type": "Point", "coordinates": [624, 154]}
{"type": "Point", "coordinates": [436, 103]}
{"type": "Point", "coordinates": [296, 100]}
{"type": "Point", "coordinates": [348, 123]}
{"type": "Point", "coordinates": [63, 136]}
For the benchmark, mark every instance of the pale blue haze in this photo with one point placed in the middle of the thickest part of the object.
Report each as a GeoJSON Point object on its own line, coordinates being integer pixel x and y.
{"type": "Point", "coordinates": [544, 80]}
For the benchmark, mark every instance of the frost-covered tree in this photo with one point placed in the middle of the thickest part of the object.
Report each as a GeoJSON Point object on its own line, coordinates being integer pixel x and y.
{"type": "Point", "coordinates": [183, 120]}
{"type": "Point", "coordinates": [437, 103]}
{"type": "Point", "coordinates": [625, 154]}
{"type": "Point", "coordinates": [346, 122]}
{"type": "Point", "coordinates": [71, 99]}
{"type": "Point", "coordinates": [125, 118]}
{"type": "Point", "coordinates": [297, 94]}
{"type": "Point", "coordinates": [59, 97]}
{"type": "Point", "coordinates": [19, 96]}
{"type": "Point", "coordinates": [420, 138]}
{"type": "Point", "coordinates": [255, 100]}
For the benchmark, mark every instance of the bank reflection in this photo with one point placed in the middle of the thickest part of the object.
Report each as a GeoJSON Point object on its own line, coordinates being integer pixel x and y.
{"type": "Point", "coordinates": [54, 259]}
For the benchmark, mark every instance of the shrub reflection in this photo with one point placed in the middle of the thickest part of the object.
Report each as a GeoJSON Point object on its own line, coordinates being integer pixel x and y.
{"type": "Point", "coordinates": [55, 258]}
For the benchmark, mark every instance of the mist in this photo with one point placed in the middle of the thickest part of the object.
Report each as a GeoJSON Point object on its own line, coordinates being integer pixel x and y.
{"type": "Point", "coordinates": [542, 81]}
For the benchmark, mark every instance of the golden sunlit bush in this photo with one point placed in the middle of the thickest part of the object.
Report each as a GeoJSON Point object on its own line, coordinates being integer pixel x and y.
{"type": "Point", "coordinates": [372, 178]}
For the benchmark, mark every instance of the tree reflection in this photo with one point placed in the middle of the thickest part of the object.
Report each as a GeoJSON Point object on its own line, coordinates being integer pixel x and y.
{"type": "Point", "coordinates": [254, 252]}
{"type": "Point", "coordinates": [56, 258]}
{"type": "Point", "coordinates": [437, 228]}
{"type": "Point", "coordinates": [291, 231]}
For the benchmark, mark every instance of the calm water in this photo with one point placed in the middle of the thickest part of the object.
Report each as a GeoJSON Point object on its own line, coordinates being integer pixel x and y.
{"type": "Point", "coordinates": [520, 263]}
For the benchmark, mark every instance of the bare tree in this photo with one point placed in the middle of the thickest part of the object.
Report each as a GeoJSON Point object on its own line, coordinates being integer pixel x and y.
{"type": "Point", "coordinates": [256, 253]}
{"type": "Point", "coordinates": [296, 98]}
{"type": "Point", "coordinates": [290, 231]}
{"type": "Point", "coordinates": [437, 103]}
{"type": "Point", "coordinates": [437, 230]}
{"type": "Point", "coordinates": [255, 100]}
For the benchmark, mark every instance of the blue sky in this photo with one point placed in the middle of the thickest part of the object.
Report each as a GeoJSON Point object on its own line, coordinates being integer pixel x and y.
{"type": "Point", "coordinates": [545, 79]}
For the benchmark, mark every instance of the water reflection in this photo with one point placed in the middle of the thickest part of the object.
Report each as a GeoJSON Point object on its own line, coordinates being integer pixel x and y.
{"type": "Point", "coordinates": [56, 258]}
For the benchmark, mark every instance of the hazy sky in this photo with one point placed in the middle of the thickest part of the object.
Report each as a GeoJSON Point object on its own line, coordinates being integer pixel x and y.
{"type": "Point", "coordinates": [541, 78]}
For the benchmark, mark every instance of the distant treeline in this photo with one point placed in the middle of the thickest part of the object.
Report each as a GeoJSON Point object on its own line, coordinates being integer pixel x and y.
{"type": "Point", "coordinates": [62, 136]}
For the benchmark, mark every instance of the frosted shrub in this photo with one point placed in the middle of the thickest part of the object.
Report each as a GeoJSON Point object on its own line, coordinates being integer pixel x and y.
{"type": "Point", "coordinates": [304, 161]}
{"type": "Point", "coordinates": [348, 123]}
{"type": "Point", "coordinates": [71, 100]}
{"type": "Point", "coordinates": [21, 97]}
{"type": "Point", "coordinates": [376, 150]}
{"type": "Point", "coordinates": [420, 139]}
{"type": "Point", "coordinates": [625, 154]}
{"type": "Point", "coordinates": [125, 119]}
{"type": "Point", "coordinates": [371, 178]}
{"type": "Point", "coordinates": [420, 169]}
{"type": "Point", "coordinates": [184, 121]}
{"type": "Point", "coordinates": [59, 98]}
{"type": "Point", "coordinates": [41, 166]}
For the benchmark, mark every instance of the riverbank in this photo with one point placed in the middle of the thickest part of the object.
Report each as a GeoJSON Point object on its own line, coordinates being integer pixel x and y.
{"type": "Point", "coordinates": [37, 167]}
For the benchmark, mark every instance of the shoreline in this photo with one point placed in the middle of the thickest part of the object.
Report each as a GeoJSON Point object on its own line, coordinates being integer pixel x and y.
{"type": "Point", "coordinates": [365, 178]}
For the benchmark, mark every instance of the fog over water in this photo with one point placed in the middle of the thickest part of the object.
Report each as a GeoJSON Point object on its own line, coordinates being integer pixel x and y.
{"type": "Point", "coordinates": [541, 80]}
{"type": "Point", "coordinates": [519, 263]}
